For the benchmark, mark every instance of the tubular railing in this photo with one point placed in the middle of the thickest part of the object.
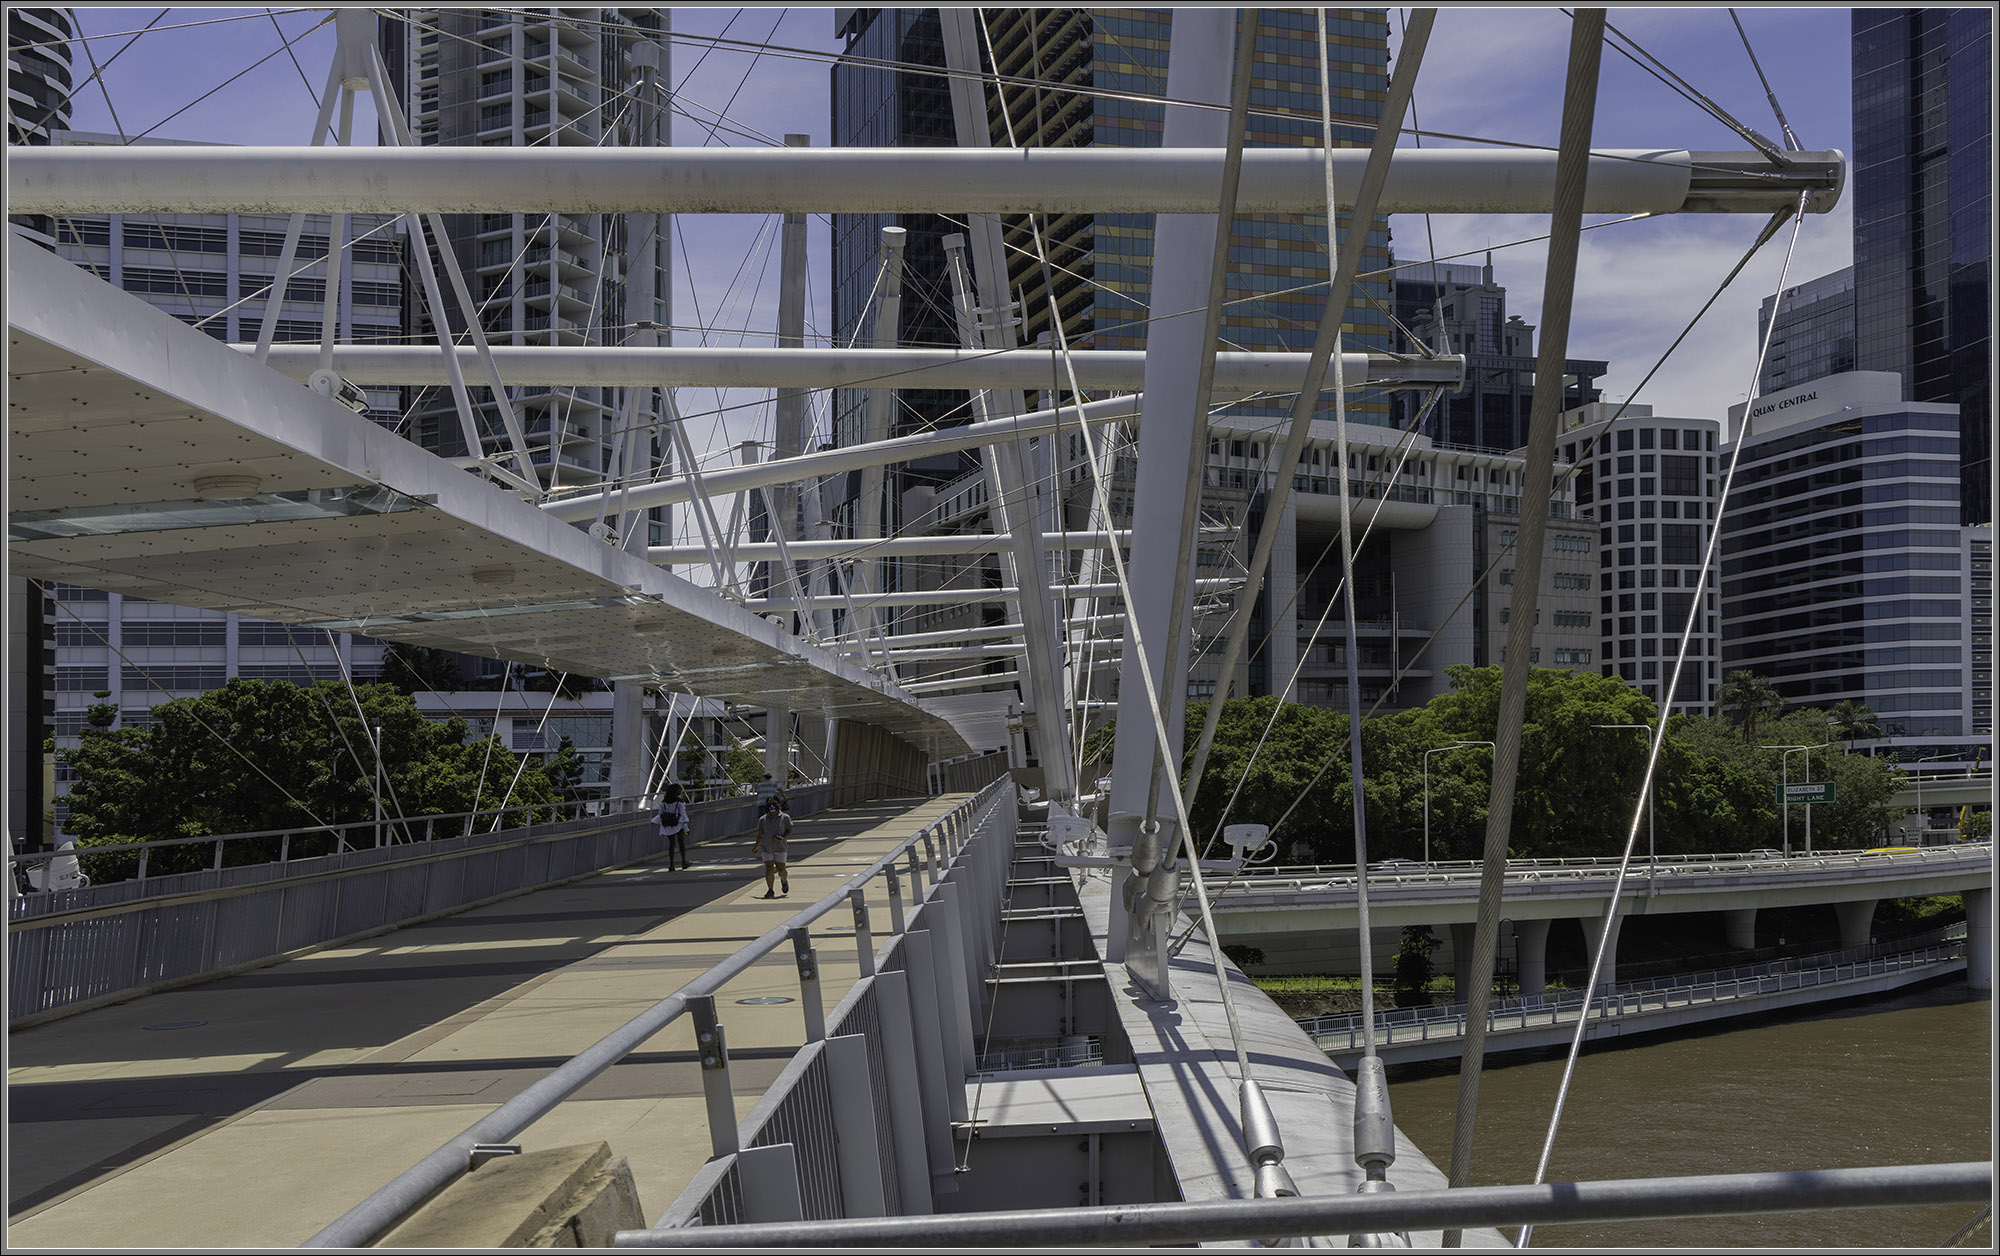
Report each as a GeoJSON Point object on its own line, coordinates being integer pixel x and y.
{"type": "Point", "coordinates": [1537, 1011]}
{"type": "Point", "coordinates": [69, 949]}
{"type": "Point", "coordinates": [1266, 879]}
{"type": "Point", "coordinates": [885, 1068]}
{"type": "Point", "coordinates": [1930, 938]}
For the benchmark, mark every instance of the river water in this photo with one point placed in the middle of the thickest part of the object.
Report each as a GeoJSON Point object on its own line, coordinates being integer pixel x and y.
{"type": "Point", "coordinates": [1902, 1080]}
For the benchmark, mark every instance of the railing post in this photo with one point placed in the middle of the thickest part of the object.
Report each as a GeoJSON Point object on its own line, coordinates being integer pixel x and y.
{"type": "Point", "coordinates": [217, 865]}
{"type": "Point", "coordinates": [144, 851]}
{"type": "Point", "coordinates": [896, 921]}
{"type": "Point", "coordinates": [931, 855]}
{"type": "Point", "coordinates": [957, 1005]}
{"type": "Point", "coordinates": [770, 1180]}
{"type": "Point", "coordinates": [864, 938]}
{"type": "Point", "coordinates": [906, 1109]}
{"type": "Point", "coordinates": [936, 1052]}
{"type": "Point", "coordinates": [807, 960]}
{"type": "Point", "coordinates": [713, 1047]}
{"type": "Point", "coordinates": [916, 877]}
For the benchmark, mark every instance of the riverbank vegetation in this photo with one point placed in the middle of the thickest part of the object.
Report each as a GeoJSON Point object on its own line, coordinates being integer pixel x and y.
{"type": "Point", "coordinates": [1582, 761]}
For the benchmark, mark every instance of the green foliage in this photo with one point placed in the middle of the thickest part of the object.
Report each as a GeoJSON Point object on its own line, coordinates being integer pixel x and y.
{"type": "Point", "coordinates": [1978, 825]}
{"type": "Point", "coordinates": [742, 764]}
{"type": "Point", "coordinates": [414, 669]}
{"type": "Point", "coordinates": [257, 755]}
{"type": "Point", "coordinates": [1751, 698]}
{"type": "Point", "coordinates": [1242, 956]}
{"type": "Point", "coordinates": [1414, 968]}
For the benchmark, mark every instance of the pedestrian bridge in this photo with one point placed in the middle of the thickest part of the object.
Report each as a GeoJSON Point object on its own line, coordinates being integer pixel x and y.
{"type": "Point", "coordinates": [1291, 913]}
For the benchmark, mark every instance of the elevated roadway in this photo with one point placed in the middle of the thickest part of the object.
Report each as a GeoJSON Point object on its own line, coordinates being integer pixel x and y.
{"type": "Point", "coordinates": [1294, 911]}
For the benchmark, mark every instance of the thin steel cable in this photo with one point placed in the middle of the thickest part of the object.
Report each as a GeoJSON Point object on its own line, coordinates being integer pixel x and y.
{"type": "Point", "coordinates": [286, 47]}
{"type": "Point", "coordinates": [555, 692]}
{"type": "Point", "coordinates": [1572, 171]}
{"type": "Point", "coordinates": [1770, 229]}
{"type": "Point", "coordinates": [148, 676]}
{"type": "Point", "coordinates": [1147, 679]}
{"type": "Point", "coordinates": [1784, 127]}
{"type": "Point", "coordinates": [1660, 732]}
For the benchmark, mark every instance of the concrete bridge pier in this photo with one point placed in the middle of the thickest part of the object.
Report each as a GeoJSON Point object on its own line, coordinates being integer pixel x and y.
{"type": "Point", "coordinates": [1739, 928]}
{"type": "Point", "coordinates": [1855, 919]}
{"type": "Point", "coordinates": [1461, 960]}
{"type": "Point", "coordinates": [1979, 939]}
{"type": "Point", "coordinates": [1594, 936]}
{"type": "Point", "coordinates": [1531, 952]}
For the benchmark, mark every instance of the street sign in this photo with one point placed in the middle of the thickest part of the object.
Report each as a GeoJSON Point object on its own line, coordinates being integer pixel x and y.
{"type": "Point", "coordinates": [1817, 791]}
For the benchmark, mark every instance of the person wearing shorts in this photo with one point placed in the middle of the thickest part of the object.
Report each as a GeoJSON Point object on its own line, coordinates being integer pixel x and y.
{"type": "Point", "coordinates": [773, 827]}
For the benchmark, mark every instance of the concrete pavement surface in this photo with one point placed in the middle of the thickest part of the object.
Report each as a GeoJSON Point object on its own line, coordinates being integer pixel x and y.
{"type": "Point", "coordinates": [253, 1110]}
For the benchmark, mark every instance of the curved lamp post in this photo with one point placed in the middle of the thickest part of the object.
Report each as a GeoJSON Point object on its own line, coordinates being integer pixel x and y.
{"type": "Point", "coordinates": [1457, 745]}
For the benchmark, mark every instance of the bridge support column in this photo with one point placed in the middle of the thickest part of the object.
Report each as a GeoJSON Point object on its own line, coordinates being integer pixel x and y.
{"type": "Point", "coordinates": [1739, 928]}
{"type": "Point", "coordinates": [1979, 939]}
{"type": "Point", "coordinates": [1855, 919]}
{"type": "Point", "coordinates": [1531, 953]}
{"type": "Point", "coordinates": [1594, 937]}
{"type": "Point", "coordinates": [1461, 961]}
{"type": "Point", "coordinates": [778, 745]}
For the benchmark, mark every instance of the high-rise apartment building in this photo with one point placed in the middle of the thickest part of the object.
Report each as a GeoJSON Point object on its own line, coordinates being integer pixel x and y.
{"type": "Point", "coordinates": [1456, 308]}
{"type": "Point", "coordinates": [1650, 482]}
{"type": "Point", "coordinates": [1811, 328]}
{"type": "Point", "coordinates": [38, 87]}
{"type": "Point", "coordinates": [1923, 222]}
{"type": "Point", "coordinates": [524, 77]}
{"type": "Point", "coordinates": [1845, 571]}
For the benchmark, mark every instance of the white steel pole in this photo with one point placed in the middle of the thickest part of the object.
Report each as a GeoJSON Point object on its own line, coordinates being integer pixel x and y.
{"type": "Point", "coordinates": [65, 179]}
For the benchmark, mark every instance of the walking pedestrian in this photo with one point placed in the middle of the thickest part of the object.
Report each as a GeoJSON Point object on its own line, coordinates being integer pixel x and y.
{"type": "Point", "coordinates": [674, 825]}
{"type": "Point", "coordinates": [773, 827]}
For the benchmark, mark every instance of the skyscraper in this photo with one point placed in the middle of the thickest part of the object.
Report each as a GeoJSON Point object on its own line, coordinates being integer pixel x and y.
{"type": "Point", "coordinates": [1491, 411]}
{"type": "Point", "coordinates": [1845, 572]}
{"type": "Point", "coordinates": [1813, 333]}
{"type": "Point", "coordinates": [1923, 247]}
{"type": "Point", "coordinates": [518, 77]}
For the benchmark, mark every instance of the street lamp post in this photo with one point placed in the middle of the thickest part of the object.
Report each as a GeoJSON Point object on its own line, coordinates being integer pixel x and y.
{"type": "Point", "coordinates": [1457, 745]}
{"type": "Point", "coordinates": [1785, 805]}
{"type": "Point", "coordinates": [1919, 776]}
{"type": "Point", "coordinates": [1651, 791]}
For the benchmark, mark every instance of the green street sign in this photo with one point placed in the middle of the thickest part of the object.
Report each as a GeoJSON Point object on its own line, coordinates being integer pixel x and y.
{"type": "Point", "coordinates": [1818, 791]}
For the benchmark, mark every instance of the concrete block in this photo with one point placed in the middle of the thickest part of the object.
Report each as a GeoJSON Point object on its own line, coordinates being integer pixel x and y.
{"type": "Point", "coordinates": [561, 1197]}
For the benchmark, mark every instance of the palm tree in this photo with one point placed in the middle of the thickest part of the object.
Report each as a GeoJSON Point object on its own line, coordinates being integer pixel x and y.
{"type": "Point", "coordinates": [1852, 719]}
{"type": "Point", "coordinates": [1751, 697]}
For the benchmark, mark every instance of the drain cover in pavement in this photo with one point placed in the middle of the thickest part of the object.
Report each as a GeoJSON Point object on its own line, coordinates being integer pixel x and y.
{"type": "Point", "coordinates": [765, 1000]}
{"type": "Point", "coordinates": [176, 1024]}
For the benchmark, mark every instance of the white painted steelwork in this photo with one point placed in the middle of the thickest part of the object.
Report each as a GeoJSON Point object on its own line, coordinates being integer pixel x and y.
{"type": "Point", "coordinates": [1236, 374]}
{"type": "Point", "coordinates": [285, 180]}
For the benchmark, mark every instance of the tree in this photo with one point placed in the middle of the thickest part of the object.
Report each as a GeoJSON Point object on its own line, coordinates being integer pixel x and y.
{"type": "Point", "coordinates": [1854, 719]}
{"type": "Point", "coordinates": [1751, 697]}
{"type": "Point", "coordinates": [1414, 967]}
{"type": "Point", "coordinates": [742, 764]}
{"type": "Point", "coordinates": [269, 755]}
{"type": "Point", "coordinates": [414, 669]}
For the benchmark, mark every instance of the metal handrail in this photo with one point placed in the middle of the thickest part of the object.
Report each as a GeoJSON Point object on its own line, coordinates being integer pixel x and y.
{"type": "Point", "coordinates": [569, 809]}
{"type": "Point", "coordinates": [1183, 1223]}
{"type": "Point", "coordinates": [373, 1216]}
{"type": "Point", "coordinates": [1930, 939]}
{"type": "Point", "coordinates": [1594, 868]}
{"type": "Point", "coordinates": [1615, 1003]}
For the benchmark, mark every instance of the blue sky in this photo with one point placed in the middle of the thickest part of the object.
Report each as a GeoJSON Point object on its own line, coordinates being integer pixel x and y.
{"type": "Point", "coordinates": [1489, 72]}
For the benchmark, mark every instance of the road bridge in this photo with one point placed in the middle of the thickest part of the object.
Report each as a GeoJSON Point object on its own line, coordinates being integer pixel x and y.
{"type": "Point", "coordinates": [1291, 913]}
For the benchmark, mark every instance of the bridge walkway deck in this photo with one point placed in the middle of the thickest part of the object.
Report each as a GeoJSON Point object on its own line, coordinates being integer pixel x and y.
{"type": "Point", "coordinates": [253, 1110]}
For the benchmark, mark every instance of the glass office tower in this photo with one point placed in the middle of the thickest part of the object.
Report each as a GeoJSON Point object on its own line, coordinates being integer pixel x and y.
{"type": "Point", "coordinates": [1923, 173]}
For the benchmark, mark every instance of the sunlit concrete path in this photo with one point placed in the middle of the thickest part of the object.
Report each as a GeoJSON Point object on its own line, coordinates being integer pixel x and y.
{"type": "Point", "coordinates": [253, 1110]}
